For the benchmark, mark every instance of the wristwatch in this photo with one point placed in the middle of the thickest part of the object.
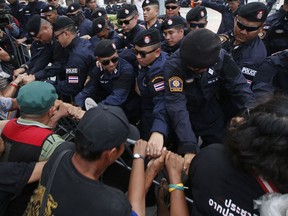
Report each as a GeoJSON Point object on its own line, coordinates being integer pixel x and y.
{"type": "Point", "coordinates": [24, 66]}
{"type": "Point", "coordinates": [137, 156]}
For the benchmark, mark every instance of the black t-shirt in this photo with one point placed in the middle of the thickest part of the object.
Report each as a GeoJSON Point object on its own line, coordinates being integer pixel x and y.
{"type": "Point", "coordinates": [74, 194]}
{"type": "Point", "coordinates": [219, 188]}
{"type": "Point", "coordinates": [14, 177]}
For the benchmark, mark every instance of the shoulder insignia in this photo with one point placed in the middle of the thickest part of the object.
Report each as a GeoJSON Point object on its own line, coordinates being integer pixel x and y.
{"type": "Point", "coordinates": [175, 84]}
{"type": "Point", "coordinates": [158, 83]}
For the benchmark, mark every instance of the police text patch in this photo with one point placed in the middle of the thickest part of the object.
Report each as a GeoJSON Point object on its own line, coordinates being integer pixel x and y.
{"type": "Point", "coordinates": [175, 84]}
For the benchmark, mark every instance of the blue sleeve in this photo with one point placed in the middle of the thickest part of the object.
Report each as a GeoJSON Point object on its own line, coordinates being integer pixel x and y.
{"type": "Point", "coordinates": [177, 110]}
{"type": "Point", "coordinates": [218, 7]}
{"type": "Point", "coordinates": [75, 85]}
{"type": "Point", "coordinates": [121, 87]}
{"type": "Point", "coordinates": [160, 123]}
{"type": "Point", "coordinates": [237, 85]}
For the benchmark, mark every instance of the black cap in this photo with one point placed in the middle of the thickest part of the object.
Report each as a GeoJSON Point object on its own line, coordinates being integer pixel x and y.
{"type": "Point", "coordinates": [147, 37]}
{"type": "Point", "coordinates": [149, 2]}
{"type": "Point", "coordinates": [105, 48]}
{"type": "Point", "coordinates": [33, 25]}
{"type": "Point", "coordinates": [99, 12]}
{"type": "Point", "coordinates": [105, 127]}
{"type": "Point", "coordinates": [48, 8]}
{"type": "Point", "coordinates": [172, 1]}
{"type": "Point", "coordinates": [73, 7]}
{"type": "Point", "coordinates": [62, 22]}
{"type": "Point", "coordinates": [196, 13]}
{"type": "Point", "coordinates": [253, 12]}
{"type": "Point", "coordinates": [126, 11]}
{"type": "Point", "coordinates": [172, 22]}
{"type": "Point", "coordinates": [200, 48]}
{"type": "Point", "coordinates": [98, 25]}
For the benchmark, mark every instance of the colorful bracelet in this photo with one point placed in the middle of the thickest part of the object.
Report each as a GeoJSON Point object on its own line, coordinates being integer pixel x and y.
{"type": "Point", "coordinates": [173, 187]}
{"type": "Point", "coordinates": [15, 85]}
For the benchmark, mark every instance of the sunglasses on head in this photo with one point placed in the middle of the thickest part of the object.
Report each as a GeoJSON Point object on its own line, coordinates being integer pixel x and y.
{"type": "Point", "coordinates": [107, 61]}
{"type": "Point", "coordinates": [199, 25]}
{"type": "Point", "coordinates": [247, 28]}
{"type": "Point", "coordinates": [126, 22]}
{"type": "Point", "coordinates": [142, 53]}
{"type": "Point", "coordinates": [171, 7]}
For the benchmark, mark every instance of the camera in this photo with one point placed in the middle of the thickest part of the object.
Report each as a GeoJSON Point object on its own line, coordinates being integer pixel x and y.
{"type": "Point", "coordinates": [5, 17]}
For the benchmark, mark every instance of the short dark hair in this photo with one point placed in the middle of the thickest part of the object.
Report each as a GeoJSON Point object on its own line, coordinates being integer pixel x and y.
{"type": "Point", "coordinates": [260, 143]}
{"type": "Point", "coordinates": [82, 148]}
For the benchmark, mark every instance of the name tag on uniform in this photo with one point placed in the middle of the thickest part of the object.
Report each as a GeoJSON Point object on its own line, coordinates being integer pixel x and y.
{"type": "Point", "coordinates": [249, 71]}
{"type": "Point", "coordinates": [72, 75]}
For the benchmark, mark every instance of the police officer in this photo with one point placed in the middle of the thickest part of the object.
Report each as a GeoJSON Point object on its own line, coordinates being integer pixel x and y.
{"type": "Point", "coordinates": [50, 13]}
{"type": "Point", "coordinates": [80, 59]}
{"type": "Point", "coordinates": [60, 10]}
{"type": "Point", "coordinates": [101, 12]}
{"type": "Point", "coordinates": [197, 18]}
{"type": "Point", "coordinates": [91, 5]}
{"type": "Point", "coordinates": [127, 18]}
{"type": "Point", "coordinates": [151, 12]}
{"type": "Point", "coordinates": [173, 31]}
{"type": "Point", "coordinates": [50, 52]}
{"type": "Point", "coordinates": [276, 28]}
{"type": "Point", "coordinates": [172, 9]}
{"type": "Point", "coordinates": [113, 82]}
{"type": "Point", "coordinates": [83, 24]}
{"type": "Point", "coordinates": [33, 7]}
{"type": "Point", "coordinates": [227, 11]}
{"type": "Point", "coordinates": [246, 48]}
{"type": "Point", "coordinates": [101, 30]}
{"type": "Point", "coordinates": [193, 76]}
{"type": "Point", "coordinates": [273, 75]}
{"type": "Point", "coordinates": [150, 86]}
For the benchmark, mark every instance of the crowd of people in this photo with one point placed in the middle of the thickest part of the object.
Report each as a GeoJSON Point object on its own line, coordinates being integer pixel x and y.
{"type": "Point", "coordinates": [203, 113]}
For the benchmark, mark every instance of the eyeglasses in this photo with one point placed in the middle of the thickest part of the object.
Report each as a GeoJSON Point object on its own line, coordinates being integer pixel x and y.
{"type": "Point", "coordinates": [142, 53]}
{"type": "Point", "coordinates": [52, 0]}
{"type": "Point", "coordinates": [247, 28]}
{"type": "Point", "coordinates": [171, 7]}
{"type": "Point", "coordinates": [199, 25]}
{"type": "Point", "coordinates": [107, 61]}
{"type": "Point", "coordinates": [126, 22]}
{"type": "Point", "coordinates": [57, 36]}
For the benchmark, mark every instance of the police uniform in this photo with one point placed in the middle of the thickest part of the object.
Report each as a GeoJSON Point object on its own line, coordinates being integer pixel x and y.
{"type": "Point", "coordinates": [101, 12]}
{"type": "Point", "coordinates": [172, 22]}
{"type": "Point", "coordinates": [47, 53]}
{"type": "Point", "coordinates": [276, 28]}
{"type": "Point", "coordinates": [164, 16]}
{"type": "Point", "coordinates": [83, 24]}
{"type": "Point", "coordinates": [124, 12]}
{"type": "Point", "coordinates": [30, 9]}
{"type": "Point", "coordinates": [99, 24]}
{"type": "Point", "coordinates": [80, 60]}
{"type": "Point", "coordinates": [274, 74]}
{"type": "Point", "coordinates": [16, 9]}
{"type": "Point", "coordinates": [111, 88]}
{"type": "Point", "coordinates": [157, 24]}
{"type": "Point", "coordinates": [151, 86]}
{"type": "Point", "coordinates": [190, 97]}
{"type": "Point", "coordinates": [61, 10]}
{"type": "Point", "coordinates": [250, 55]}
